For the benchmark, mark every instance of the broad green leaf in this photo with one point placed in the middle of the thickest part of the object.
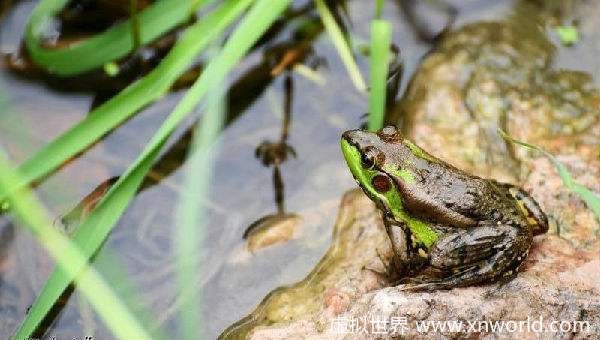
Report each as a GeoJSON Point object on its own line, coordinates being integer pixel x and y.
{"type": "Point", "coordinates": [71, 260]}
{"type": "Point", "coordinates": [590, 198]}
{"type": "Point", "coordinates": [381, 36]}
{"type": "Point", "coordinates": [95, 229]}
{"type": "Point", "coordinates": [119, 108]}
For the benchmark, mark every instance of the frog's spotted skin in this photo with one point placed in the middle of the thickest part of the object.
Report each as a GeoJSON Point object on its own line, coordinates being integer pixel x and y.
{"type": "Point", "coordinates": [448, 228]}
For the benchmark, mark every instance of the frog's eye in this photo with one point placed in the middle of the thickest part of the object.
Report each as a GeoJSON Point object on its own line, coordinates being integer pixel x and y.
{"type": "Point", "coordinates": [381, 183]}
{"type": "Point", "coordinates": [367, 161]}
{"type": "Point", "coordinates": [370, 157]}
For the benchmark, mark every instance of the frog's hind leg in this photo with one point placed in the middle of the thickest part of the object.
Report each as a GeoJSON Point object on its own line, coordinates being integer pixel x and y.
{"type": "Point", "coordinates": [474, 256]}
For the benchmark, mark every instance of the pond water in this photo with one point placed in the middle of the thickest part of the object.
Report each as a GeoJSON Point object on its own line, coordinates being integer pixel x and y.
{"type": "Point", "coordinates": [234, 280]}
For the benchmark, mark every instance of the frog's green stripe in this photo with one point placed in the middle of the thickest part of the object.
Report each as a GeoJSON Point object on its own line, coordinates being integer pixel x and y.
{"type": "Point", "coordinates": [108, 46]}
{"type": "Point", "coordinates": [417, 151]}
{"type": "Point", "coordinates": [421, 231]}
{"type": "Point", "coordinates": [403, 174]}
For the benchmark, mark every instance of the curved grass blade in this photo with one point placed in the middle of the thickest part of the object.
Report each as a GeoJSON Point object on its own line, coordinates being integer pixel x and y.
{"type": "Point", "coordinates": [590, 198]}
{"type": "Point", "coordinates": [381, 36]}
{"type": "Point", "coordinates": [70, 260]}
{"type": "Point", "coordinates": [119, 108]}
{"type": "Point", "coordinates": [112, 44]}
{"type": "Point", "coordinates": [95, 229]}
{"type": "Point", "coordinates": [341, 45]}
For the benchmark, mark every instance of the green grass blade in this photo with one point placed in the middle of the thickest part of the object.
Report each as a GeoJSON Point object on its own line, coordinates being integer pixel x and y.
{"type": "Point", "coordinates": [112, 113]}
{"type": "Point", "coordinates": [88, 239]}
{"type": "Point", "coordinates": [94, 230]}
{"type": "Point", "coordinates": [378, 8]}
{"type": "Point", "coordinates": [191, 214]}
{"type": "Point", "coordinates": [590, 198]}
{"type": "Point", "coordinates": [70, 259]}
{"type": "Point", "coordinates": [114, 43]}
{"type": "Point", "coordinates": [381, 37]}
{"type": "Point", "coordinates": [341, 45]}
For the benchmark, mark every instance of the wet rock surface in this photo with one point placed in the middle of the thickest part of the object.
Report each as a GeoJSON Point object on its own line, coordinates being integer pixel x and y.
{"type": "Point", "coordinates": [350, 269]}
{"type": "Point", "coordinates": [559, 282]}
{"type": "Point", "coordinates": [480, 78]}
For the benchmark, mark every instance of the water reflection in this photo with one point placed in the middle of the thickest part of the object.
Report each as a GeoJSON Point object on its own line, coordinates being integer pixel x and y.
{"type": "Point", "coordinates": [279, 227]}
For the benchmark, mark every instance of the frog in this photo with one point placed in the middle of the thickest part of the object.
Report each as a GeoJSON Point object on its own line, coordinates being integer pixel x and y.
{"type": "Point", "coordinates": [447, 228]}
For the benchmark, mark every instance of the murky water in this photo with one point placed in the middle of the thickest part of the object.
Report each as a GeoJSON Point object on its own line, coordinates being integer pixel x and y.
{"type": "Point", "coordinates": [234, 280]}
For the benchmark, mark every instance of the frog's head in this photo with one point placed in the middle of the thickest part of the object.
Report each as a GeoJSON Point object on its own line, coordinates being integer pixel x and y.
{"type": "Point", "coordinates": [379, 162]}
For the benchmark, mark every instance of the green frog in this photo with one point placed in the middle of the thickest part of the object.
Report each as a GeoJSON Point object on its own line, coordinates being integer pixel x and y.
{"type": "Point", "coordinates": [447, 228]}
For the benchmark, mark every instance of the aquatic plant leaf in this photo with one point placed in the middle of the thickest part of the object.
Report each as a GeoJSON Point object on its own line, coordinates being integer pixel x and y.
{"type": "Point", "coordinates": [95, 229]}
{"type": "Point", "coordinates": [590, 198]}
{"type": "Point", "coordinates": [114, 43]}
{"type": "Point", "coordinates": [87, 237]}
{"type": "Point", "coordinates": [71, 261]}
{"type": "Point", "coordinates": [122, 106]}
{"type": "Point", "coordinates": [381, 36]}
{"type": "Point", "coordinates": [341, 45]}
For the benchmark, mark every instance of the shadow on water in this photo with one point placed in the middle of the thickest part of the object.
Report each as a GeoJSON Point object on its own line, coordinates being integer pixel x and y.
{"type": "Point", "coordinates": [274, 154]}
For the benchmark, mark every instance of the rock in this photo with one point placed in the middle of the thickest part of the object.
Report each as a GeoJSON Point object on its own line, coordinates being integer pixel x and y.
{"type": "Point", "coordinates": [491, 75]}
{"type": "Point", "coordinates": [346, 272]}
{"type": "Point", "coordinates": [559, 282]}
{"type": "Point", "coordinates": [498, 75]}
{"type": "Point", "coordinates": [271, 230]}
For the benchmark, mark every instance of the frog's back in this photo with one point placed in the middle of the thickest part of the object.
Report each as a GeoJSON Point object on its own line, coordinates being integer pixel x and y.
{"type": "Point", "coordinates": [471, 196]}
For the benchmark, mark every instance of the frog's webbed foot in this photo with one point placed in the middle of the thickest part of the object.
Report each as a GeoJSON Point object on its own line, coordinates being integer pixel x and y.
{"type": "Point", "coordinates": [473, 256]}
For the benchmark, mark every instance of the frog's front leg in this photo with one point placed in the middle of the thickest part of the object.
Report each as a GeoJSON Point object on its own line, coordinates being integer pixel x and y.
{"type": "Point", "coordinates": [481, 254]}
{"type": "Point", "coordinates": [406, 262]}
